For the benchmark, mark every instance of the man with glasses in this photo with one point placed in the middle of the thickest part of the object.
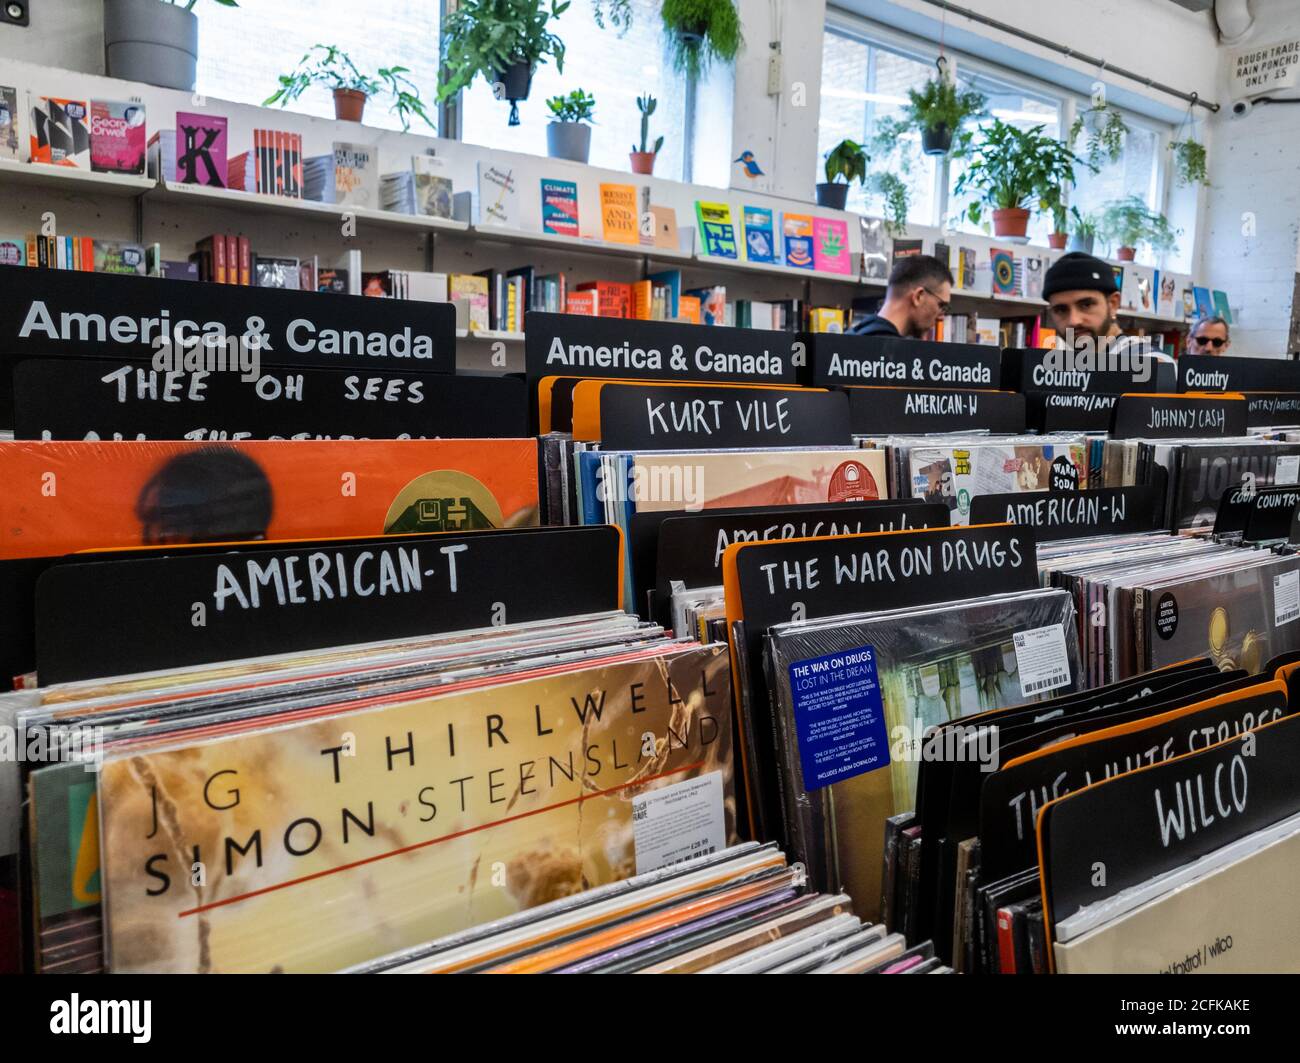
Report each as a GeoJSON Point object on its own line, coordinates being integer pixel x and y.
{"type": "Point", "coordinates": [919, 294]}
{"type": "Point", "coordinates": [1209, 336]}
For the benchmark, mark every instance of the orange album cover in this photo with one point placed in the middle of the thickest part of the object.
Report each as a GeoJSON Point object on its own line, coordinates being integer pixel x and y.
{"type": "Point", "coordinates": [60, 497]}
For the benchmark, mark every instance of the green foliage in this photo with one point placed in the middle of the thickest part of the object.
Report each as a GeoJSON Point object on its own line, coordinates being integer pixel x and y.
{"type": "Point", "coordinates": [701, 31]}
{"type": "Point", "coordinates": [1128, 222]}
{"type": "Point", "coordinates": [616, 14]}
{"type": "Point", "coordinates": [1009, 167]}
{"type": "Point", "coordinates": [939, 103]}
{"type": "Point", "coordinates": [1083, 225]}
{"type": "Point", "coordinates": [890, 186]}
{"type": "Point", "coordinates": [189, 4]}
{"type": "Point", "coordinates": [329, 65]}
{"type": "Point", "coordinates": [646, 105]}
{"type": "Point", "coordinates": [577, 106]}
{"type": "Point", "coordinates": [489, 36]}
{"type": "Point", "coordinates": [846, 162]}
{"type": "Point", "coordinates": [1106, 131]}
{"type": "Point", "coordinates": [1190, 162]}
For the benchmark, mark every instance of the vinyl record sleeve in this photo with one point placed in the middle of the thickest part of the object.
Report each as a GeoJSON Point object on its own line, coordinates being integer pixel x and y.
{"type": "Point", "coordinates": [931, 666]}
{"type": "Point", "coordinates": [407, 852]}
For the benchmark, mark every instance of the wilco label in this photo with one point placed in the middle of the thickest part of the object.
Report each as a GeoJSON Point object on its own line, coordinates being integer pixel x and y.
{"type": "Point", "coordinates": [1208, 372]}
{"type": "Point", "coordinates": [86, 398]}
{"type": "Point", "coordinates": [672, 418]}
{"type": "Point", "coordinates": [573, 345]}
{"type": "Point", "coordinates": [891, 362]}
{"type": "Point", "coordinates": [885, 411]}
{"type": "Point", "coordinates": [1171, 416]}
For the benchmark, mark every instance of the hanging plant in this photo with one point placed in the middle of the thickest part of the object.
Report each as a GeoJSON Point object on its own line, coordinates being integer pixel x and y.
{"type": "Point", "coordinates": [1106, 131]}
{"type": "Point", "coordinates": [1190, 162]}
{"type": "Point", "coordinates": [612, 14]}
{"type": "Point", "coordinates": [893, 190]}
{"type": "Point", "coordinates": [938, 112]}
{"type": "Point", "coordinates": [700, 32]}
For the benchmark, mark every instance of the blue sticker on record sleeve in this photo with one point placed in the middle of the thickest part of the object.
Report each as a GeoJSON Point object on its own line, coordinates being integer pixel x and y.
{"type": "Point", "coordinates": [839, 716]}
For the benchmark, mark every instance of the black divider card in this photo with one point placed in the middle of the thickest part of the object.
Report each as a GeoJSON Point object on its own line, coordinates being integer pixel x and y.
{"type": "Point", "coordinates": [635, 417]}
{"type": "Point", "coordinates": [102, 618]}
{"type": "Point", "coordinates": [1085, 373]}
{"type": "Point", "coordinates": [53, 313]}
{"type": "Point", "coordinates": [1274, 407]}
{"type": "Point", "coordinates": [1209, 372]}
{"type": "Point", "coordinates": [840, 359]}
{"type": "Point", "coordinates": [89, 398]}
{"type": "Point", "coordinates": [1075, 514]}
{"type": "Point", "coordinates": [1011, 797]}
{"type": "Point", "coordinates": [1272, 514]}
{"type": "Point", "coordinates": [915, 411]}
{"type": "Point", "coordinates": [671, 548]}
{"type": "Point", "coordinates": [1069, 411]}
{"type": "Point", "coordinates": [1148, 822]}
{"type": "Point", "coordinates": [577, 345]}
{"type": "Point", "coordinates": [1238, 504]}
{"type": "Point", "coordinates": [1175, 416]}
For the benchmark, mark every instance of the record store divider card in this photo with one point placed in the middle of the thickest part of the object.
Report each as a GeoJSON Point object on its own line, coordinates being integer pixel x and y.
{"type": "Point", "coordinates": [87, 399]}
{"type": "Point", "coordinates": [53, 313]}
{"type": "Point", "coordinates": [917, 411]}
{"type": "Point", "coordinates": [100, 615]}
{"type": "Point", "coordinates": [1075, 514]}
{"type": "Point", "coordinates": [840, 359]}
{"type": "Point", "coordinates": [805, 579]}
{"type": "Point", "coordinates": [1208, 372]}
{"type": "Point", "coordinates": [1173, 416]}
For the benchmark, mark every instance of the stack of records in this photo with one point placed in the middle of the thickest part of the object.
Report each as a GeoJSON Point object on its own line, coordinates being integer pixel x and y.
{"type": "Point", "coordinates": [850, 750]}
{"type": "Point", "coordinates": [421, 786]}
{"type": "Point", "coordinates": [744, 910]}
{"type": "Point", "coordinates": [1145, 602]}
{"type": "Point", "coordinates": [955, 470]}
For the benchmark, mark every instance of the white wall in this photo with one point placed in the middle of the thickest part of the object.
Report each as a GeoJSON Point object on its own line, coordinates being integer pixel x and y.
{"type": "Point", "coordinates": [64, 33]}
{"type": "Point", "coordinates": [1254, 167]}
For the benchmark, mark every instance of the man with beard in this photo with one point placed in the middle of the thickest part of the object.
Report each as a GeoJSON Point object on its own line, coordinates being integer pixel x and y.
{"type": "Point", "coordinates": [1083, 298]}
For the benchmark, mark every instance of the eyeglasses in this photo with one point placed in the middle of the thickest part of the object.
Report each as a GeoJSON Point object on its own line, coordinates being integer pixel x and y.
{"type": "Point", "coordinates": [1207, 341]}
{"type": "Point", "coordinates": [943, 305]}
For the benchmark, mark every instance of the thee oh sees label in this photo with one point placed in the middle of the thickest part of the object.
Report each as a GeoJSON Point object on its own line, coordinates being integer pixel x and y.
{"type": "Point", "coordinates": [680, 822]}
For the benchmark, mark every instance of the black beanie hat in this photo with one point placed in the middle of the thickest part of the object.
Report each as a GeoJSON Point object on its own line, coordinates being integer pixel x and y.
{"type": "Point", "coordinates": [1079, 272]}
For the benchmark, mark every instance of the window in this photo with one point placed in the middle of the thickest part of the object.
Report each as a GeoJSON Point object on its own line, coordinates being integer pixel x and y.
{"type": "Point", "coordinates": [616, 70]}
{"type": "Point", "coordinates": [863, 83]}
{"type": "Point", "coordinates": [1136, 173]}
{"type": "Point", "coordinates": [243, 50]}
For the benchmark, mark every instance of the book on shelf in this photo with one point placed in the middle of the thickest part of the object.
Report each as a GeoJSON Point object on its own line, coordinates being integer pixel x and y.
{"type": "Point", "coordinates": [13, 252]}
{"type": "Point", "coordinates": [713, 304]}
{"type": "Point", "coordinates": [760, 234]}
{"type": "Point", "coordinates": [10, 142]}
{"type": "Point", "coordinates": [274, 166]}
{"type": "Point", "coordinates": [199, 148]}
{"type": "Point", "coordinates": [581, 302]}
{"type": "Point", "coordinates": [988, 331]}
{"type": "Point", "coordinates": [831, 246]}
{"type": "Point", "coordinates": [875, 249]}
{"type": "Point", "coordinates": [906, 248]}
{"type": "Point", "coordinates": [469, 294]}
{"type": "Point", "coordinates": [797, 235]}
{"type": "Point", "coordinates": [613, 298]}
{"type": "Point", "coordinates": [347, 175]}
{"type": "Point", "coordinates": [118, 140]}
{"type": "Point", "coordinates": [1221, 307]}
{"type": "Point", "coordinates": [560, 207]}
{"type": "Point", "coordinates": [618, 214]}
{"type": "Point", "coordinates": [666, 235]}
{"type": "Point", "coordinates": [60, 131]}
{"type": "Point", "coordinates": [498, 196]}
{"type": "Point", "coordinates": [269, 272]}
{"type": "Point", "coordinates": [397, 192]}
{"type": "Point", "coordinates": [688, 309]}
{"type": "Point", "coordinates": [110, 256]}
{"type": "Point", "coordinates": [717, 230]}
{"type": "Point", "coordinates": [825, 319]}
{"type": "Point", "coordinates": [433, 187]}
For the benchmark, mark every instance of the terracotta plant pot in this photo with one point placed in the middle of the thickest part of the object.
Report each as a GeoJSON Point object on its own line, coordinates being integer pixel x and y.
{"type": "Point", "coordinates": [834, 195]}
{"type": "Point", "coordinates": [1011, 221]}
{"type": "Point", "coordinates": [643, 162]}
{"type": "Point", "coordinates": [1126, 254]}
{"type": "Point", "coordinates": [1057, 241]}
{"type": "Point", "coordinates": [349, 104]}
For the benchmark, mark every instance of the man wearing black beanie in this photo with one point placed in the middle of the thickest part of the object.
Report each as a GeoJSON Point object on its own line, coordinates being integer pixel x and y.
{"type": "Point", "coordinates": [1082, 296]}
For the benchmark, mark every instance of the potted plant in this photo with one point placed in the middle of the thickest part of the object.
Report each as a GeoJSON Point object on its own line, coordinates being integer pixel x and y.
{"type": "Point", "coordinates": [699, 32]}
{"type": "Point", "coordinates": [1190, 162]}
{"type": "Point", "coordinates": [1060, 234]}
{"type": "Point", "coordinates": [643, 161]}
{"type": "Point", "coordinates": [1083, 231]}
{"type": "Point", "coordinates": [845, 163]}
{"type": "Point", "coordinates": [894, 191]}
{"type": "Point", "coordinates": [567, 137]}
{"type": "Point", "coordinates": [938, 112]}
{"type": "Point", "coordinates": [1012, 171]}
{"type": "Point", "coordinates": [329, 65]}
{"type": "Point", "coordinates": [1128, 222]}
{"type": "Point", "coordinates": [1106, 131]}
{"type": "Point", "coordinates": [154, 41]}
{"type": "Point", "coordinates": [505, 41]}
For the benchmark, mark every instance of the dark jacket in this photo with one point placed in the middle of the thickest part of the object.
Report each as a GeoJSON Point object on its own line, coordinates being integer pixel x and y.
{"type": "Point", "coordinates": [874, 325]}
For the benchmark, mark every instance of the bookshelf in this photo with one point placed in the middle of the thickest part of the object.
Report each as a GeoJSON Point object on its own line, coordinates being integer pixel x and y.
{"type": "Point", "coordinates": [490, 335]}
{"type": "Point", "coordinates": [525, 238]}
{"type": "Point", "coordinates": [71, 180]}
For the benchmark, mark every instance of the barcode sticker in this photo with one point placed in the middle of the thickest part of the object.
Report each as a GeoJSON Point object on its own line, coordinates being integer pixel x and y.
{"type": "Point", "coordinates": [1041, 659]}
{"type": "Point", "coordinates": [1286, 597]}
{"type": "Point", "coordinates": [1288, 470]}
{"type": "Point", "coordinates": [683, 821]}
